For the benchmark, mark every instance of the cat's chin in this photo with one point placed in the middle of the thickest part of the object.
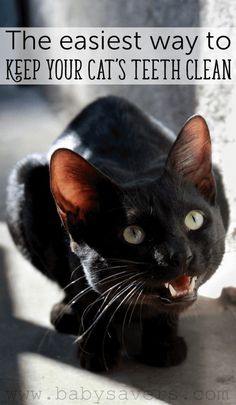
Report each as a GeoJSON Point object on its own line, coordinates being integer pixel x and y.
{"type": "Point", "coordinates": [169, 305]}
{"type": "Point", "coordinates": [172, 304]}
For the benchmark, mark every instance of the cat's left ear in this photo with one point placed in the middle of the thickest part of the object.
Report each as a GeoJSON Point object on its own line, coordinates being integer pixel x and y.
{"type": "Point", "coordinates": [190, 157]}
{"type": "Point", "coordinates": [79, 189]}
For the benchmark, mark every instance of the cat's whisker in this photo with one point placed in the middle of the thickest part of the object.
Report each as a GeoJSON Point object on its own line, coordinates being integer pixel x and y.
{"type": "Point", "coordinates": [42, 340]}
{"type": "Point", "coordinates": [129, 295]}
{"type": "Point", "coordinates": [80, 278]}
{"type": "Point", "coordinates": [87, 289]}
{"type": "Point", "coordinates": [128, 261]}
{"type": "Point", "coordinates": [83, 276]}
{"type": "Point", "coordinates": [129, 275]}
{"type": "Point", "coordinates": [113, 267]}
{"type": "Point", "coordinates": [106, 295]}
{"type": "Point", "coordinates": [118, 285]}
{"type": "Point", "coordinates": [73, 282]}
{"type": "Point", "coordinates": [81, 336]}
{"type": "Point", "coordinates": [77, 268]}
{"type": "Point", "coordinates": [115, 276]}
{"type": "Point", "coordinates": [101, 314]}
{"type": "Point", "coordinates": [138, 296]}
{"type": "Point", "coordinates": [127, 311]}
{"type": "Point", "coordinates": [71, 302]}
{"type": "Point", "coordinates": [100, 269]}
{"type": "Point", "coordinates": [83, 292]}
{"type": "Point", "coordinates": [126, 314]}
{"type": "Point", "coordinates": [108, 267]}
{"type": "Point", "coordinates": [140, 312]}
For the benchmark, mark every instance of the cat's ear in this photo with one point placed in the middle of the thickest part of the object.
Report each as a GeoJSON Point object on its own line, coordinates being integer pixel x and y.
{"type": "Point", "coordinates": [79, 189]}
{"type": "Point", "coordinates": [190, 157]}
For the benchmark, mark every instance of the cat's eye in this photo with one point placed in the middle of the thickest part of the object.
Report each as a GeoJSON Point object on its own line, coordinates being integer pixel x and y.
{"type": "Point", "coordinates": [134, 234]}
{"type": "Point", "coordinates": [194, 220]}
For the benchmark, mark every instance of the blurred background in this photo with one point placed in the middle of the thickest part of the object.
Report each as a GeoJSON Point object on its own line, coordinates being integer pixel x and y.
{"type": "Point", "coordinates": [31, 117]}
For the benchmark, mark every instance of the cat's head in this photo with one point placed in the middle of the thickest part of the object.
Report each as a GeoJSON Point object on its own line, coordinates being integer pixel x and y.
{"type": "Point", "coordinates": [157, 240]}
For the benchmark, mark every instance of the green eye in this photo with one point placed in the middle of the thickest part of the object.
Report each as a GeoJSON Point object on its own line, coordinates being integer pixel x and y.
{"type": "Point", "coordinates": [194, 220]}
{"type": "Point", "coordinates": [134, 234]}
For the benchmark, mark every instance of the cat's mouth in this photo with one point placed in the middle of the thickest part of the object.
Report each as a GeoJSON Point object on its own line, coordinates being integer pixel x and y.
{"type": "Point", "coordinates": [181, 289]}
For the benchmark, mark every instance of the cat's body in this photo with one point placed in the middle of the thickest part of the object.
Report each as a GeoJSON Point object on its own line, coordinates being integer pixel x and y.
{"type": "Point", "coordinates": [149, 196]}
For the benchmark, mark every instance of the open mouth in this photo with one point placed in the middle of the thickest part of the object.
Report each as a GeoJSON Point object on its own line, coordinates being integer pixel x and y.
{"type": "Point", "coordinates": [181, 289]}
{"type": "Point", "coordinates": [181, 286]}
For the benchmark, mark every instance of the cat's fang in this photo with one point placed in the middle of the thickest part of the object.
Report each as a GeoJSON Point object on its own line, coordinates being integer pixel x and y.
{"type": "Point", "coordinates": [192, 284]}
{"type": "Point", "coordinates": [172, 291]}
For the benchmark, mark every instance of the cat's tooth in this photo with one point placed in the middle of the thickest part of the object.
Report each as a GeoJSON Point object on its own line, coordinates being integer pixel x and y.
{"type": "Point", "coordinates": [192, 284]}
{"type": "Point", "coordinates": [172, 291]}
{"type": "Point", "coordinates": [167, 285]}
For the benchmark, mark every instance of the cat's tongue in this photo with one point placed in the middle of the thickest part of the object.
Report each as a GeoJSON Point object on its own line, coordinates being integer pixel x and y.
{"type": "Point", "coordinates": [182, 285]}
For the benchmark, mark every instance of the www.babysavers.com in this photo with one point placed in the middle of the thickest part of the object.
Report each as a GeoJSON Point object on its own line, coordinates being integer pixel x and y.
{"type": "Point", "coordinates": [122, 395]}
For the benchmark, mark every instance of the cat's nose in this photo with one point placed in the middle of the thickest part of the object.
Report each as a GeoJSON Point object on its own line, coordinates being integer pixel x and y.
{"type": "Point", "coordinates": [181, 260]}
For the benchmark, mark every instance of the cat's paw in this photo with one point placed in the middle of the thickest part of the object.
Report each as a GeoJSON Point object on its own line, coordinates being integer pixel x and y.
{"type": "Point", "coordinates": [64, 319]}
{"type": "Point", "coordinates": [99, 357]}
{"type": "Point", "coordinates": [165, 354]}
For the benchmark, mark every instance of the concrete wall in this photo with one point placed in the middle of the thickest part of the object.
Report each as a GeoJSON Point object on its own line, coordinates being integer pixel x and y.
{"type": "Point", "coordinates": [173, 103]}
{"type": "Point", "coordinates": [8, 13]}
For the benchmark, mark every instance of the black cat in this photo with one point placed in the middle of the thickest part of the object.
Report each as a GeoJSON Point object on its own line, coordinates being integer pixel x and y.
{"type": "Point", "coordinates": [144, 219]}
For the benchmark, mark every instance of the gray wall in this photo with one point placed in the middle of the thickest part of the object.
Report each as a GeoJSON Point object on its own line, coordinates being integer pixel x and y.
{"type": "Point", "coordinates": [173, 103]}
{"type": "Point", "coordinates": [8, 13]}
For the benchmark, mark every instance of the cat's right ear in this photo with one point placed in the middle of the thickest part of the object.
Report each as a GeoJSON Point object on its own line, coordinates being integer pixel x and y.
{"type": "Point", "coordinates": [191, 158]}
{"type": "Point", "coordinates": [79, 189]}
